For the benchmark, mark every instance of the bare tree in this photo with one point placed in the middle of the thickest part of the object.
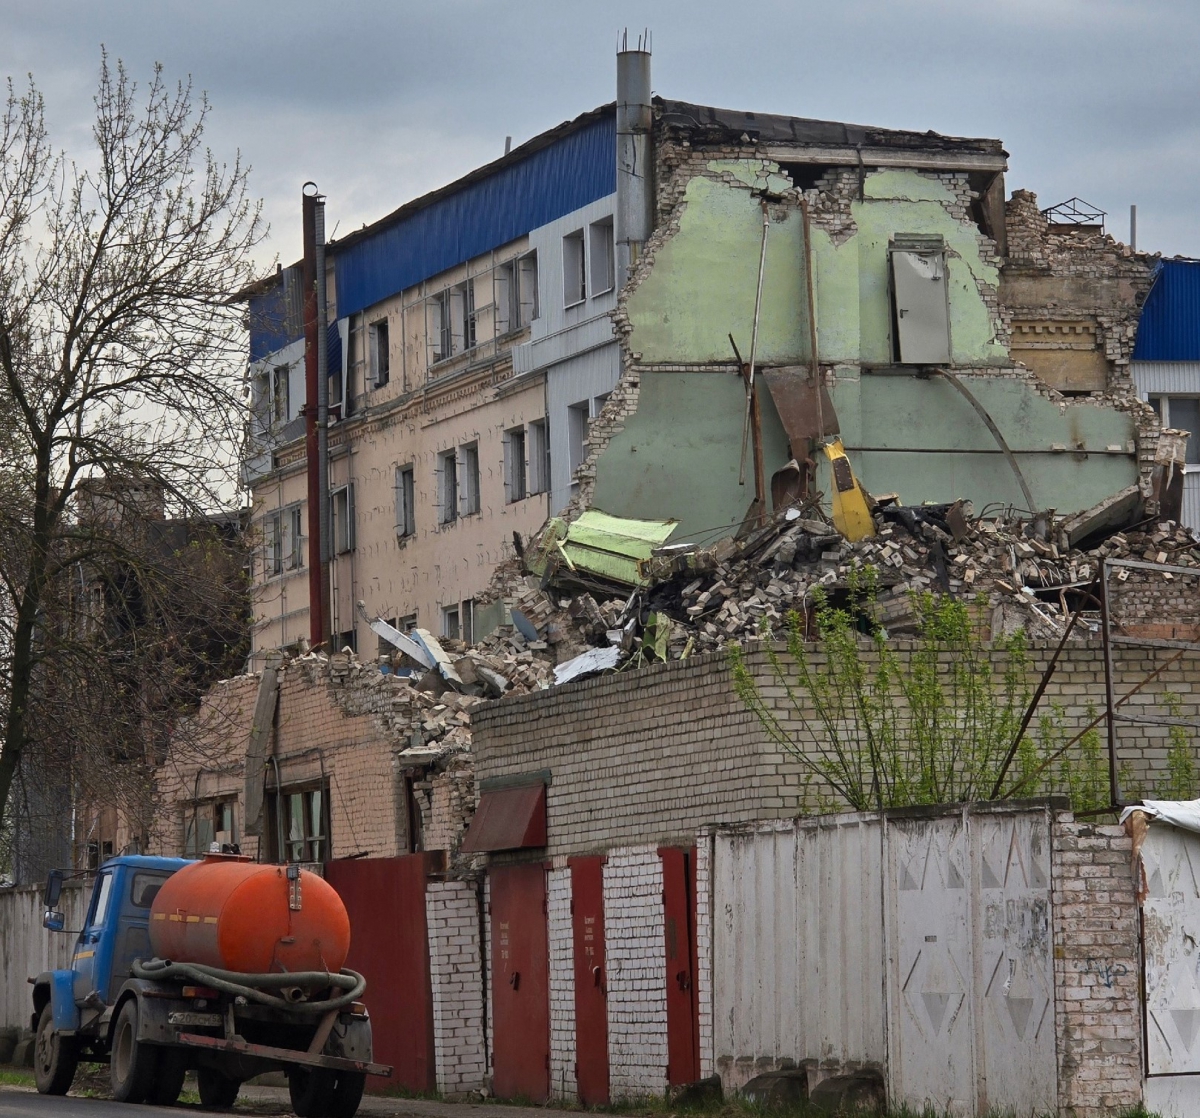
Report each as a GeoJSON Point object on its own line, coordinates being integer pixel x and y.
{"type": "Point", "coordinates": [120, 355]}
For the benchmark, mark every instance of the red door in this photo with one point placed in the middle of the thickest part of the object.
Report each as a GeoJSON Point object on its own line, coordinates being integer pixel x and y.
{"type": "Point", "coordinates": [389, 946]}
{"type": "Point", "coordinates": [679, 912]}
{"type": "Point", "coordinates": [591, 980]}
{"type": "Point", "coordinates": [520, 982]}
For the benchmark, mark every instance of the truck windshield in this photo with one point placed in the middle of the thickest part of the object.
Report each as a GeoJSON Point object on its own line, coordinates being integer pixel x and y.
{"type": "Point", "coordinates": [103, 892]}
{"type": "Point", "coordinates": [145, 888]}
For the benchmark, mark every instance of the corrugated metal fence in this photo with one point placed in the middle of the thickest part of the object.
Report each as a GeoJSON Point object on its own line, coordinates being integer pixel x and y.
{"type": "Point", "coordinates": [27, 949]}
{"type": "Point", "coordinates": [918, 943]}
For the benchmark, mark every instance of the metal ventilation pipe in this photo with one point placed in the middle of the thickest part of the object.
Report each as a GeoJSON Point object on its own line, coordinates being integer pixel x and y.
{"type": "Point", "coordinates": [314, 337]}
{"type": "Point", "coordinates": [635, 186]}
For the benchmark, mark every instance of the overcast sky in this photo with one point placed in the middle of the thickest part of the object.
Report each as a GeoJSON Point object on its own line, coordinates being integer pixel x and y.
{"type": "Point", "coordinates": [379, 102]}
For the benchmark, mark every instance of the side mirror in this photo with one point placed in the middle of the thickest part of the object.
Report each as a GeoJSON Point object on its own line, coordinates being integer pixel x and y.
{"type": "Point", "coordinates": [53, 921]}
{"type": "Point", "coordinates": [54, 884]}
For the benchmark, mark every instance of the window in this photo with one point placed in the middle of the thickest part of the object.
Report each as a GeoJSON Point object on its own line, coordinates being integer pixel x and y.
{"type": "Point", "coordinates": [439, 330]}
{"type": "Point", "coordinates": [348, 639]}
{"type": "Point", "coordinates": [280, 401]}
{"type": "Point", "coordinates": [144, 888]}
{"type": "Point", "coordinates": [103, 895]}
{"type": "Point", "coordinates": [1182, 413]}
{"type": "Point", "coordinates": [539, 457]}
{"type": "Point", "coordinates": [295, 540]}
{"type": "Point", "coordinates": [600, 251]}
{"type": "Point", "coordinates": [274, 543]}
{"type": "Point", "coordinates": [574, 274]}
{"type": "Point", "coordinates": [448, 487]}
{"type": "Point", "coordinates": [406, 516]}
{"type": "Point", "coordinates": [578, 422]}
{"type": "Point", "coordinates": [467, 620]}
{"type": "Point", "coordinates": [341, 503]}
{"type": "Point", "coordinates": [466, 308]}
{"type": "Point", "coordinates": [527, 289]}
{"type": "Point", "coordinates": [207, 823]}
{"type": "Point", "coordinates": [469, 474]}
{"type": "Point", "coordinates": [381, 354]}
{"type": "Point", "coordinates": [450, 626]}
{"type": "Point", "coordinates": [514, 465]}
{"type": "Point", "coordinates": [300, 818]}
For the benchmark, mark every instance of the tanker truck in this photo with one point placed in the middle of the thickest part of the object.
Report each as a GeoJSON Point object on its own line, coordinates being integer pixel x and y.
{"type": "Point", "coordinates": [224, 966]}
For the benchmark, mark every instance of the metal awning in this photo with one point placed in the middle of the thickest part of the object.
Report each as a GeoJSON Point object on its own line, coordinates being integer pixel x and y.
{"type": "Point", "coordinates": [508, 819]}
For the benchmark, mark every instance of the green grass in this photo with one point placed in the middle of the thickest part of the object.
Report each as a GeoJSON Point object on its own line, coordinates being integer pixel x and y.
{"type": "Point", "coordinates": [16, 1077]}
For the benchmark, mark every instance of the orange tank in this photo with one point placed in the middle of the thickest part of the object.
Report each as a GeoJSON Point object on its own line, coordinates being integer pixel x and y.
{"type": "Point", "coordinates": [238, 915]}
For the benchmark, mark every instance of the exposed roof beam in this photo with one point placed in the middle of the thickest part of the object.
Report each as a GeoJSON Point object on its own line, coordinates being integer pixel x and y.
{"type": "Point", "coordinates": [887, 157]}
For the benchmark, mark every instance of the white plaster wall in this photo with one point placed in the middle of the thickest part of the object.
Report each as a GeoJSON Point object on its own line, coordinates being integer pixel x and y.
{"type": "Point", "coordinates": [562, 983]}
{"type": "Point", "coordinates": [454, 966]}
{"type": "Point", "coordinates": [704, 951]}
{"type": "Point", "coordinates": [637, 965]}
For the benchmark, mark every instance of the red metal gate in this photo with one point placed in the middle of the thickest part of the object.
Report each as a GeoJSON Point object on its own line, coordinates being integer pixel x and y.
{"type": "Point", "coordinates": [389, 945]}
{"type": "Point", "coordinates": [520, 982]}
{"type": "Point", "coordinates": [679, 912]}
{"type": "Point", "coordinates": [591, 980]}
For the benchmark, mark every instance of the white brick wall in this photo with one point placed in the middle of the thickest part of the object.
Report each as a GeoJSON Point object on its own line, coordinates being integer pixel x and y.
{"type": "Point", "coordinates": [452, 916]}
{"type": "Point", "coordinates": [562, 984]}
{"type": "Point", "coordinates": [704, 951]}
{"type": "Point", "coordinates": [637, 966]}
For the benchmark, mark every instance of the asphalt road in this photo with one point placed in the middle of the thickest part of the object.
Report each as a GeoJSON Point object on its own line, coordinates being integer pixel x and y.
{"type": "Point", "coordinates": [253, 1102]}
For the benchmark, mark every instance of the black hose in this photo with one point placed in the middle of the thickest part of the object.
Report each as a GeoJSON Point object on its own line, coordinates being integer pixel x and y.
{"type": "Point", "coordinates": [251, 986]}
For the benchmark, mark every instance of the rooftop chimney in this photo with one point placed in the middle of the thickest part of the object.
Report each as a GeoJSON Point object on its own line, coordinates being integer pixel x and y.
{"type": "Point", "coordinates": [635, 196]}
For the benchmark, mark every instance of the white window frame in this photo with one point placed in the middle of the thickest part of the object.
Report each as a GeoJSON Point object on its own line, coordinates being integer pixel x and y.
{"type": "Point", "coordinates": [528, 298]}
{"type": "Point", "coordinates": [273, 531]}
{"type": "Point", "coordinates": [574, 262]}
{"type": "Point", "coordinates": [537, 445]}
{"type": "Point", "coordinates": [295, 559]}
{"type": "Point", "coordinates": [406, 493]}
{"type": "Point", "coordinates": [516, 477]}
{"type": "Point", "coordinates": [280, 404]}
{"type": "Point", "coordinates": [1163, 402]}
{"type": "Point", "coordinates": [468, 479]}
{"type": "Point", "coordinates": [341, 518]}
{"type": "Point", "coordinates": [449, 612]}
{"type": "Point", "coordinates": [447, 487]}
{"type": "Point", "coordinates": [602, 259]}
{"type": "Point", "coordinates": [381, 352]}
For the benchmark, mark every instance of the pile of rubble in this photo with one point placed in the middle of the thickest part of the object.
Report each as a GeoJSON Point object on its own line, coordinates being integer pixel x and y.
{"type": "Point", "coordinates": [1020, 573]}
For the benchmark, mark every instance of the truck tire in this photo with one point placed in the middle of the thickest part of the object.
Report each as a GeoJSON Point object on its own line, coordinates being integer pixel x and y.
{"type": "Point", "coordinates": [132, 1064]}
{"type": "Point", "coordinates": [55, 1057]}
{"type": "Point", "coordinates": [312, 1091]}
{"type": "Point", "coordinates": [169, 1081]}
{"type": "Point", "coordinates": [347, 1094]}
{"type": "Point", "coordinates": [216, 1089]}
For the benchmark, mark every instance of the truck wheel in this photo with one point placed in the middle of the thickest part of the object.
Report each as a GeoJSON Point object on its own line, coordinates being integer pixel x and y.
{"type": "Point", "coordinates": [216, 1090]}
{"type": "Point", "coordinates": [169, 1081]}
{"type": "Point", "coordinates": [347, 1094]}
{"type": "Point", "coordinates": [55, 1057]}
{"type": "Point", "coordinates": [312, 1091]}
{"type": "Point", "coordinates": [132, 1064]}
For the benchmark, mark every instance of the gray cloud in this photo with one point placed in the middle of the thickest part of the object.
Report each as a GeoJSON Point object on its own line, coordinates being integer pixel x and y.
{"type": "Point", "coordinates": [380, 101]}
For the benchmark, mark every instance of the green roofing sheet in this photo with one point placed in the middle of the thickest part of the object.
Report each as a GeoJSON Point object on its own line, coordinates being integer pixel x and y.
{"type": "Point", "coordinates": [608, 546]}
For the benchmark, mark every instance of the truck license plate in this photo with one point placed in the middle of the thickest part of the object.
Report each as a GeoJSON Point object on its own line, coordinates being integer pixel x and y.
{"type": "Point", "coordinates": [206, 1019]}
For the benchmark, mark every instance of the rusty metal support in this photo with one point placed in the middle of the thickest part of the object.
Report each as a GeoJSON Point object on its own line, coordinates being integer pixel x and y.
{"type": "Point", "coordinates": [1011, 458]}
{"type": "Point", "coordinates": [746, 423]}
{"type": "Point", "coordinates": [755, 414]}
{"type": "Point", "coordinates": [1037, 697]}
{"type": "Point", "coordinates": [815, 359]}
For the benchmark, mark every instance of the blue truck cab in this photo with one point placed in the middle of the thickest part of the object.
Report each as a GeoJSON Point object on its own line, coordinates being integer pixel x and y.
{"type": "Point", "coordinates": [115, 932]}
{"type": "Point", "coordinates": [152, 1023]}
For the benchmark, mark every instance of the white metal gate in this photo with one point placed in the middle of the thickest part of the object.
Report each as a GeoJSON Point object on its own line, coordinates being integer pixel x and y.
{"type": "Point", "coordinates": [1171, 950]}
{"type": "Point", "coordinates": [919, 942]}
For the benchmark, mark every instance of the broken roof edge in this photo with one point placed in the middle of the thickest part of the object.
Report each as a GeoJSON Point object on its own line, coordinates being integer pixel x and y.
{"type": "Point", "coordinates": [719, 123]}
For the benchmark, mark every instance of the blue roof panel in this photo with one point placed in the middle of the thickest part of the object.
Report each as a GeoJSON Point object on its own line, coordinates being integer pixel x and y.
{"type": "Point", "coordinates": [491, 211]}
{"type": "Point", "coordinates": [1169, 328]}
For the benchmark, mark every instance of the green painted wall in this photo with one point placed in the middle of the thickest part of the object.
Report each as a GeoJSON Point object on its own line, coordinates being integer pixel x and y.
{"type": "Point", "coordinates": [703, 283]}
{"type": "Point", "coordinates": [678, 455]}
{"type": "Point", "coordinates": [919, 438]}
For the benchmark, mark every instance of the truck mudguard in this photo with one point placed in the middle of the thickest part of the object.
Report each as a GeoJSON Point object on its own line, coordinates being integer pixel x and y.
{"type": "Point", "coordinates": [62, 1001]}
